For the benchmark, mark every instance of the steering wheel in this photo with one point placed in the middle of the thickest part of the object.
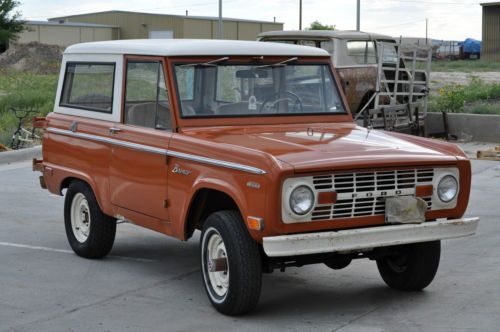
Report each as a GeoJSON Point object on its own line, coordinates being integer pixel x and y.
{"type": "Point", "coordinates": [277, 97]}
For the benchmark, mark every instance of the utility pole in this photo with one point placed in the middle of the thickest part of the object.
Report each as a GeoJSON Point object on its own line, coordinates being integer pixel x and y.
{"type": "Point", "coordinates": [426, 30]}
{"type": "Point", "coordinates": [219, 28]}
{"type": "Point", "coordinates": [358, 16]}
{"type": "Point", "coordinates": [300, 14]}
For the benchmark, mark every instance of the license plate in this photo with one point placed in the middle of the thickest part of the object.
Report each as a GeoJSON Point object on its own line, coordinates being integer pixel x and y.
{"type": "Point", "coordinates": [405, 210]}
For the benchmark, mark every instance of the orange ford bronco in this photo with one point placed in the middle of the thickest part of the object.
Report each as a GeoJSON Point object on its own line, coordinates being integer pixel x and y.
{"type": "Point", "coordinates": [254, 145]}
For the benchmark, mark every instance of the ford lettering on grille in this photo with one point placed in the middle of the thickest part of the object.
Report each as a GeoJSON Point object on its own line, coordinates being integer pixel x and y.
{"type": "Point", "coordinates": [363, 193]}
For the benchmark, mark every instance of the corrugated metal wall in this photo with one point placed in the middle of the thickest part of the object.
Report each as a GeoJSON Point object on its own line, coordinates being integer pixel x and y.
{"type": "Point", "coordinates": [201, 29]}
{"type": "Point", "coordinates": [64, 35]}
{"type": "Point", "coordinates": [133, 25]}
{"type": "Point", "coordinates": [490, 45]}
{"type": "Point", "coordinates": [138, 25]}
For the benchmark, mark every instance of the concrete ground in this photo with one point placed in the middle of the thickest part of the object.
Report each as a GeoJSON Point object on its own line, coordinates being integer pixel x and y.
{"type": "Point", "coordinates": [153, 283]}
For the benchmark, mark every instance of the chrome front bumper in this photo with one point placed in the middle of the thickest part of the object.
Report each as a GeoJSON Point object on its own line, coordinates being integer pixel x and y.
{"type": "Point", "coordinates": [367, 238]}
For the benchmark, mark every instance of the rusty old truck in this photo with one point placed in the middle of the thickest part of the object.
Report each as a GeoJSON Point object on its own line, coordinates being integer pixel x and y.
{"type": "Point", "coordinates": [377, 74]}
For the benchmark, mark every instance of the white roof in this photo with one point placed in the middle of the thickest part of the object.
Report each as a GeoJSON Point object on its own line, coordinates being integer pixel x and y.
{"type": "Point", "coordinates": [176, 47]}
{"type": "Point", "coordinates": [341, 34]}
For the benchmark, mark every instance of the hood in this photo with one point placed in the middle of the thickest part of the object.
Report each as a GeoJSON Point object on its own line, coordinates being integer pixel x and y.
{"type": "Point", "coordinates": [315, 147]}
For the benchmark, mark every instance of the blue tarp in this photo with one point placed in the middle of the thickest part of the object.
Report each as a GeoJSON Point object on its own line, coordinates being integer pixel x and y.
{"type": "Point", "coordinates": [471, 45]}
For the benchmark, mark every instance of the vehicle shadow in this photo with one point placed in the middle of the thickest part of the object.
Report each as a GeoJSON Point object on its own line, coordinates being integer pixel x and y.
{"type": "Point", "coordinates": [333, 299]}
{"type": "Point", "coordinates": [311, 290]}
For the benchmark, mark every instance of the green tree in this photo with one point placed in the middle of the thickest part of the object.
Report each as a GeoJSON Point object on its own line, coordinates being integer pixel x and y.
{"type": "Point", "coordinates": [316, 25]}
{"type": "Point", "coordinates": [10, 21]}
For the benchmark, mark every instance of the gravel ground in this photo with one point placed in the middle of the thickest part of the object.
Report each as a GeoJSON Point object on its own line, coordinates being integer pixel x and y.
{"type": "Point", "coordinates": [438, 79]}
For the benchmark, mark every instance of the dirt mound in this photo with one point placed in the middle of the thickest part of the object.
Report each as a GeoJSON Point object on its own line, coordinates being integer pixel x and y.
{"type": "Point", "coordinates": [32, 57]}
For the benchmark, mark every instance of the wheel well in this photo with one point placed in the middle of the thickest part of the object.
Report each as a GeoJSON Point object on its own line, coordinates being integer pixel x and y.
{"type": "Point", "coordinates": [66, 182]}
{"type": "Point", "coordinates": [204, 203]}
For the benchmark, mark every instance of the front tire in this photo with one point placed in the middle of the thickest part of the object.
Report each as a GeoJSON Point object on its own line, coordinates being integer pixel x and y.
{"type": "Point", "coordinates": [230, 264]}
{"type": "Point", "coordinates": [90, 232]}
{"type": "Point", "coordinates": [412, 267]}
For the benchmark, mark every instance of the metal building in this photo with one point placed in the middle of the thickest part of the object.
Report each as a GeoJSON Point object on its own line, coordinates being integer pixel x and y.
{"type": "Point", "coordinates": [67, 33]}
{"type": "Point", "coordinates": [490, 46]}
{"type": "Point", "coordinates": [135, 25]}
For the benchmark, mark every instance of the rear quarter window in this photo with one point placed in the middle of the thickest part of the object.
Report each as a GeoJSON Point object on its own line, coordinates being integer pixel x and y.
{"type": "Point", "coordinates": [88, 86]}
{"type": "Point", "coordinates": [362, 52]}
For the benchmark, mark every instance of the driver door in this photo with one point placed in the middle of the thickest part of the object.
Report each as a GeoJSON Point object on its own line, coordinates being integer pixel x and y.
{"type": "Point", "coordinates": [138, 168]}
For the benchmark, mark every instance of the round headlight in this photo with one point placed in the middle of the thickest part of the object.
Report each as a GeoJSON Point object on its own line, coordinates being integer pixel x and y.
{"type": "Point", "coordinates": [447, 188]}
{"type": "Point", "coordinates": [301, 200]}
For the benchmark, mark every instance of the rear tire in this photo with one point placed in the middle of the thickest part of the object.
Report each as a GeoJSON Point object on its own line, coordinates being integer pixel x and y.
{"type": "Point", "coordinates": [237, 289]}
{"type": "Point", "coordinates": [413, 267]}
{"type": "Point", "coordinates": [90, 232]}
{"type": "Point", "coordinates": [16, 143]}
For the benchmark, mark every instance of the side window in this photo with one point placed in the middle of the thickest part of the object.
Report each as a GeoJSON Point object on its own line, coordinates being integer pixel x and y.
{"type": "Point", "coordinates": [280, 41]}
{"type": "Point", "coordinates": [362, 52]}
{"type": "Point", "coordinates": [89, 86]}
{"type": "Point", "coordinates": [390, 54]}
{"type": "Point", "coordinates": [146, 95]}
{"type": "Point", "coordinates": [311, 43]}
{"type": "Point", "coordinates": [327, 45]}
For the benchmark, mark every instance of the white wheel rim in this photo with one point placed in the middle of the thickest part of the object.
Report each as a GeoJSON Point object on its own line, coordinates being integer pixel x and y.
{"type": "Point", "coordinates": [214, 249]}
{"type": "Point", "coordinates": [80, 217]}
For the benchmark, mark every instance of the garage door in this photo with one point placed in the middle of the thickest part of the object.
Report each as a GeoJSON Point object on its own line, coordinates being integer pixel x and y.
{"type": "Point", "coordinates": [161, 34]}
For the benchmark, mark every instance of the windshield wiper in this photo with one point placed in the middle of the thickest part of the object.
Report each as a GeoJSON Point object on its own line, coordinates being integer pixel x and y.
{"type": "Point", "coordinates": [279, 64]}
{"type": "Point", "coordinates": [212, 63]}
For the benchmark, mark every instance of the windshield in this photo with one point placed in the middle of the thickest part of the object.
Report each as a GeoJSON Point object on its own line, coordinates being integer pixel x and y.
{"type": "Point", "coordinates": [390, 53]}
{"type": "Point", "coordinates": [208, 90]}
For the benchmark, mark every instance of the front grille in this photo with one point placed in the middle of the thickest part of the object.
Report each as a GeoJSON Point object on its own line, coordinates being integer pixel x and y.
{"type": "Point", "coordinates": [370, 186]}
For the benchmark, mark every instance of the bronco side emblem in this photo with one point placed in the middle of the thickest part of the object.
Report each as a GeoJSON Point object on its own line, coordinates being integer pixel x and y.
{"type": "Point", "coordinates": [178, 170]}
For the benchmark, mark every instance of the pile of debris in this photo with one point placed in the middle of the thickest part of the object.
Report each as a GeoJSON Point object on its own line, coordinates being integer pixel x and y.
{"type": "Point", "coordinates": [490, 154]}
{"type": "Point", "coordinates": [32, 57]}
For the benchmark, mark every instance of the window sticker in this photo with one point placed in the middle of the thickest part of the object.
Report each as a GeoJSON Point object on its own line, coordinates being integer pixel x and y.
{"type": "Point", "coordinates": [252, 103]}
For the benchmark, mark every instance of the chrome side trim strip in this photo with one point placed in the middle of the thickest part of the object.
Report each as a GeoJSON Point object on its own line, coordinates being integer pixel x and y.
{"type": "Point", "coordinates": [113, 141]}
{"type": "Point", "coordinates": [216, 162]}
{"type": "Point", "coordinates": [151, 149]}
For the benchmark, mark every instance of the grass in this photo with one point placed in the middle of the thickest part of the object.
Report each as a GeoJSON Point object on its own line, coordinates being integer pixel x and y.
{"type": "Point", "coordinates": [467, 66]}
{"type": "Point", "coordinates": [476, 97]}
{"type": "Point", "coordinates": [484, 109]}
{"type": "Point", "coordinates": [23, 91]}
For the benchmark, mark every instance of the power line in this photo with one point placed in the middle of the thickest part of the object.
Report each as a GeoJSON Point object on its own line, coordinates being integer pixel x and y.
{"type": "Point", "coordinates": [399, 24]}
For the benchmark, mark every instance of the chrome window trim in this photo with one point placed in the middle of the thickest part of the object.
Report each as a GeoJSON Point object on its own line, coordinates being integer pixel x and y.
{"type": "Point", "coordinates": [151, 149]}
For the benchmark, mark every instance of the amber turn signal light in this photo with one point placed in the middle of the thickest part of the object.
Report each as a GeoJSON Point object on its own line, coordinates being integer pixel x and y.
{"type": "Point", "coordinates": [255, 223]}
{"type": "Point", "coordinates": [423, 191]}
{"type": "Point", "coordinates": [327, 197]}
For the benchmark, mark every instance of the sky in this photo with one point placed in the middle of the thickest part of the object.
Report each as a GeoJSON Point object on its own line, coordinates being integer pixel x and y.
{"type": "Point", "coordinates": [448, 19]}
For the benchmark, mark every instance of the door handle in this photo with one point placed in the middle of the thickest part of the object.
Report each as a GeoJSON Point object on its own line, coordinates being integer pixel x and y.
{"type": "Point", "coordinates": [114, 130]}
